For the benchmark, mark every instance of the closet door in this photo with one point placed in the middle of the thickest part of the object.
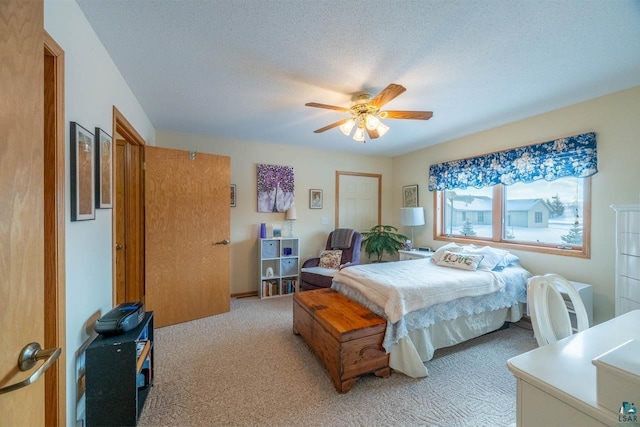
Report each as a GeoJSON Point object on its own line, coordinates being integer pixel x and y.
{"type": "Point", "coordinates": [358, 200]}
{"type": "Point", "coordinates": [187, 232]}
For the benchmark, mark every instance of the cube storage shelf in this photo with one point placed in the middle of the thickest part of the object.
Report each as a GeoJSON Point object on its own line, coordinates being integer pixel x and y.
{"type": "Point", "coordinates": [119, 375]}
{"type": "Point", "coordinates": [279, 266]}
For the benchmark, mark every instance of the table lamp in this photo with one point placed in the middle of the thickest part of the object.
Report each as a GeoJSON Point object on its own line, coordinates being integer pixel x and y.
{"type": "Point", "coordinates": [291, 216]}
{"type": "Point", "coordinates": [412, 217]}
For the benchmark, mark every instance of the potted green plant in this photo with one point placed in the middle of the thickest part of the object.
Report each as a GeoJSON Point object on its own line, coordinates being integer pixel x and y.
{"type": "Point", "coordinates": [381, 239]}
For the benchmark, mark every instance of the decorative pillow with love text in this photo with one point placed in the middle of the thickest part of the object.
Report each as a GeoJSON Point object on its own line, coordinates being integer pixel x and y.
{"type": "Point", "coordinates": [460, 260]}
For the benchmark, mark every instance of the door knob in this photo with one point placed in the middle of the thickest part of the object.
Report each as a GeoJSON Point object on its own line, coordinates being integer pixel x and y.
{"type": "Point", "coordinates": [222, 242]}
{"type": "Point", "coordinates": [29, 355]}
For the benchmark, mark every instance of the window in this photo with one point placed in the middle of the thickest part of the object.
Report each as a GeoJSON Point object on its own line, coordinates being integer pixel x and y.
{"type": "Point", "coordinates": [542, 216]}
{"type": "Point", "coordinates": [537, 196]}
{"type": "Point", "coordinates": [461, 205]}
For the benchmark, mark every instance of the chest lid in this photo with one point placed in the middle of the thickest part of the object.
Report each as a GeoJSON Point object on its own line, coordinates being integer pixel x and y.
{"type": "Point", "coordinates": [342, 317]}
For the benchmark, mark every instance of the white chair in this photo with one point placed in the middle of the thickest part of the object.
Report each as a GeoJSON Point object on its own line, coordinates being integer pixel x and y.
{"type": "Point", "coordinates": [548, 309]}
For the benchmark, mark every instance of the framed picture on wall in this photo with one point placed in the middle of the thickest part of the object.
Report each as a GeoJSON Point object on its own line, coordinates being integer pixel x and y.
{"type": "Point", "coordinates": [410, 196]}
{"type": "Point", "coordinates": [82, 174]}
{"type": "Point", "coordinates": [315, 199]}
{"type": "Point", "coordinates": [104, 169]}
{"type": "Point", "coordinates": [233, 195]}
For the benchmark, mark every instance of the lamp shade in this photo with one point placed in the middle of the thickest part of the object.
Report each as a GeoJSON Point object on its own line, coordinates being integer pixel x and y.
{"type": "Point", "coordinates": [412, 216]}
{"type": "Point", "coordinates": [291, 214]}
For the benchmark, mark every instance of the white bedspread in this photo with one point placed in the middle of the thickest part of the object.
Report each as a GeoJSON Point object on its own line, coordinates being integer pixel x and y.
{"type": "Point", "coordinates": [405, 286]}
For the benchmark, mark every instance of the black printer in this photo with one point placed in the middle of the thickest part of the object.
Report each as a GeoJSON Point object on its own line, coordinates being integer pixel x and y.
{"type": "Point", "coordinates": [121, 318]}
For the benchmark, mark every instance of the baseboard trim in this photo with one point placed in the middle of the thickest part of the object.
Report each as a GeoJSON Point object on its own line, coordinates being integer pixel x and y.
{"type": "Point", "coordinates": [245, 294]}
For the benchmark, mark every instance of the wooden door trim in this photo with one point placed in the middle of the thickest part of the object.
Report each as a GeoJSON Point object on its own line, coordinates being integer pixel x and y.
{"type": "Point", "coordinates": [369, 175]}
{"type": "Point", "coordinates": [54, 240]}
{"type": "Point", "coordinates": [121, 126]}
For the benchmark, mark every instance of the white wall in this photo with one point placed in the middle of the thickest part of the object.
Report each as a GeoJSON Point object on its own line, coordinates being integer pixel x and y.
{"type": "Point", "coordinates": [312, 169]}
{"type": "Point", "coordinates": [93, 85]}
{"type": "Point", "coordinates": [614, 118]}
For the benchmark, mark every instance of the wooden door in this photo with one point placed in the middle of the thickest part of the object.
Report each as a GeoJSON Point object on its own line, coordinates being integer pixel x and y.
{"type": "Point", "coordinates": [128, 218]}
{"type": "Point", "coordinates": [358, 200]}
{"type": "Point", "coordinates": [119, 212]}
{"type": "Point", "coordinates": [187, 211]}
{"type": "Point", "coordinates": [21, 204]}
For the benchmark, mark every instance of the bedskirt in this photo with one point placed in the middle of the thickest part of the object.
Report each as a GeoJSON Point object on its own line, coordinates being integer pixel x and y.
{"type": "Point", "coordinates": [418, 346]}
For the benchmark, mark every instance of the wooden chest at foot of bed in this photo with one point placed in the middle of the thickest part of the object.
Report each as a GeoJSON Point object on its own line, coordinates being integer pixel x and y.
{"type": "Point", "coordinates": [346, 336]}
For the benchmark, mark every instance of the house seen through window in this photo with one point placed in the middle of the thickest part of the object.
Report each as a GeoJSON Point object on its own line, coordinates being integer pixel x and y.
{"type": "Point", "coordinates": [541, 213]}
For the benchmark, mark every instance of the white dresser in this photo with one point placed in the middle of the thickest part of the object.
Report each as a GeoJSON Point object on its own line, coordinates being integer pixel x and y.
{"type": "Point", "coordinates": [557, 384]}
{"type": "Point", "coordinates": [627, 258]}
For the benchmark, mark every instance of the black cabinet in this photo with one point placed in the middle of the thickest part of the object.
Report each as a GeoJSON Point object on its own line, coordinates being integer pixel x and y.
{"type": "Point", "coordinates": [119, 375]}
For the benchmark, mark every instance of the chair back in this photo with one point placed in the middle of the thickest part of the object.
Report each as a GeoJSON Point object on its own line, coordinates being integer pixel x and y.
{"type": "Point", "coordinates": [350, 254]}
{"type": "Point", "coordinates": [548, 309]}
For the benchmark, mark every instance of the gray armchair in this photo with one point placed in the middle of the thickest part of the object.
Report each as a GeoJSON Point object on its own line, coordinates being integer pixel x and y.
{"type": "Point", "coordinates": [314, 277]}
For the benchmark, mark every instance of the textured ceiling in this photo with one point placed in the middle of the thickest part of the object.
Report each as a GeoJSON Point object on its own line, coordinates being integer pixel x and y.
{"type": "Point", "coordinates": [244, 69]}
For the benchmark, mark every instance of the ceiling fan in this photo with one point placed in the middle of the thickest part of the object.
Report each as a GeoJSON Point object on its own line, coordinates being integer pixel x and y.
{"type": "Point", "coordinates": [366, 114]}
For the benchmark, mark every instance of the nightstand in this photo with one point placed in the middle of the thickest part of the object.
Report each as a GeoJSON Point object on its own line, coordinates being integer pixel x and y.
{"type": "Point", "coordinates": [407, 255]}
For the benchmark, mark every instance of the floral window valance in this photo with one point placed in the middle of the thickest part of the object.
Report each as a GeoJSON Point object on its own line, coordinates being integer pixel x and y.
{"type": "Point", "coordinates": [573, 156]}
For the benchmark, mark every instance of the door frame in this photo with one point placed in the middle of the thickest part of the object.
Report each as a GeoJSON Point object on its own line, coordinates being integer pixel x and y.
{"type": "Point", "coordinates": [368, 175]}
{"type": "Point", "coordinates": [134, 230]}
{"type": "Point", "coordinates": [54, 236]}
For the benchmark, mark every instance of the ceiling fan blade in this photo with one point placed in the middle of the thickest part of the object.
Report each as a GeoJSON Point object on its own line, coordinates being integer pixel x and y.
{"type": "Point", "coordinates": [415, 115]}
{"type": "Point", "coordinates": [373, 134]}
{"type": "Point", "coordinates": [331, 126]}
{"type": "Point", "coordinates": [387, 94]}
{"type": "Point", "coordinates": [328, 107]}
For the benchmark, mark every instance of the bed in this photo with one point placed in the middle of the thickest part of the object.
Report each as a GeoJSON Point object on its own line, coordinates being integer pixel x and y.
{"type": "Point", "coordinates": [431, 304]}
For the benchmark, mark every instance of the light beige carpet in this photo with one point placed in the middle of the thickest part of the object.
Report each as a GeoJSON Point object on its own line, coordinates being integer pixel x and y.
{"type": "Point", "coordinates": [246, 368]}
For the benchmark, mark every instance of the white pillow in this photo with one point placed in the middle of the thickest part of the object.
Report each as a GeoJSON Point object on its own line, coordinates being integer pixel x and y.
{"type": "Point", "coordinates": [452, 247]}
{"type": "Point", "coordinates": [492, 256]}
{"type": "Point", "coordinates": [460, 260]}
{"type": "Point", "coordinates": [509, 258]}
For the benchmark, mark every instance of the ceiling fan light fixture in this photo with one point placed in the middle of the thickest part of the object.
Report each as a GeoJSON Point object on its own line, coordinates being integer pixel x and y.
{"type": "Point", "coordinates": [366, 114]}
{"type": "Point", "coordinates": [372, 121]}
{"type": "Point", "coordinates": [347, 126]}
{"type": "Point", "coordinates": [382, 128]}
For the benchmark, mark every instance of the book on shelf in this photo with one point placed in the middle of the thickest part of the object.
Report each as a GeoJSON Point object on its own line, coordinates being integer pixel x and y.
{"type": "Point", "coordinates": [288, 286]}
{"type": "Point", "coordinates": [269, 288]}
{"type": "Point", "coordinates": [144, 376]}
{"type": "Point", "coordinates": [140, 346]}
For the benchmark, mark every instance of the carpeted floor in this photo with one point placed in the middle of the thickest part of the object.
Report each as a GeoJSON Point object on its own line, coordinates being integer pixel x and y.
{"type": "Point", "coordinates": [246, 368]}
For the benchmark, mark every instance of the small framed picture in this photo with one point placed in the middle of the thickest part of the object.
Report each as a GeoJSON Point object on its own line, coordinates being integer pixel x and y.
{"type": "Point", "coordinates": [410, 196]}
{"type": "Point", "coordinates": [315, 199]}
{"type": "Point", "coordinates": [83, 176]}
{"type": "Point", "coordinates": [233, 195]}
{"type": "Point", "coordinates": [277, 230]}
{"type": "Point", "coordinates": [104, 169]}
